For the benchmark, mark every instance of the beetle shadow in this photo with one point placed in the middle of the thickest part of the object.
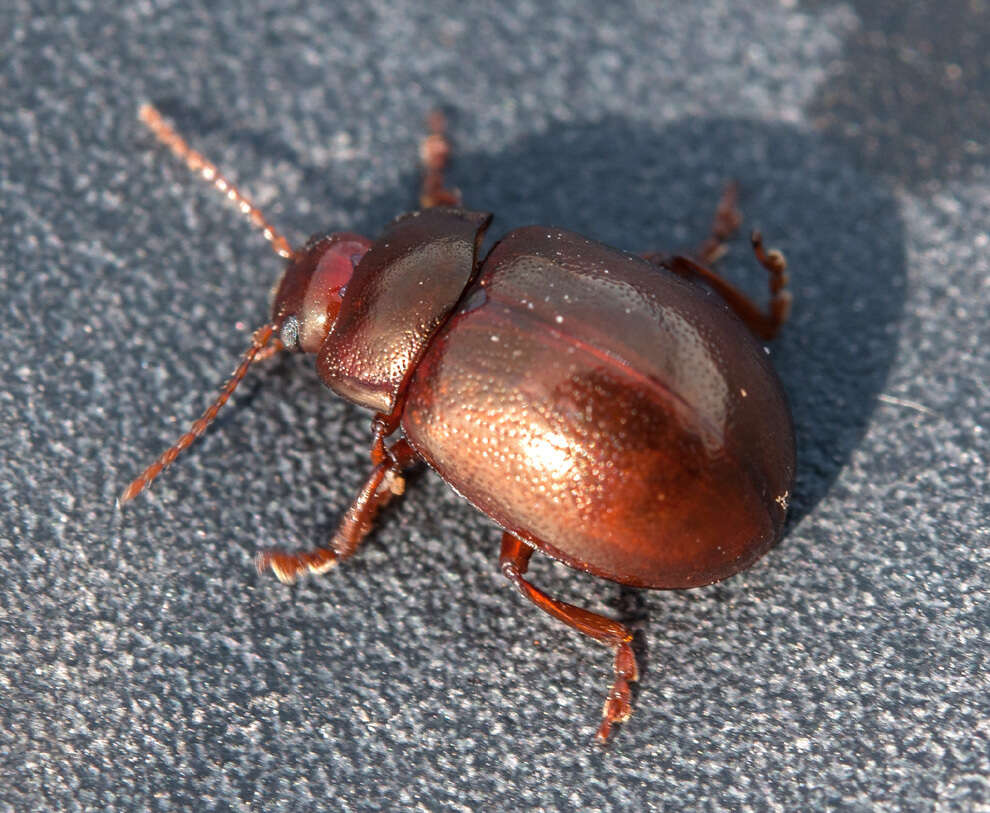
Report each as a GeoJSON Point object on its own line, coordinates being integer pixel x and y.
{"type": "Point", "coordinates": [630, 185]}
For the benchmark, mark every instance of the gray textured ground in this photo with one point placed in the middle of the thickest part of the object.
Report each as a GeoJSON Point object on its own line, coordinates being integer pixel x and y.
{"type": "Point", "coordinates": [143, 663]}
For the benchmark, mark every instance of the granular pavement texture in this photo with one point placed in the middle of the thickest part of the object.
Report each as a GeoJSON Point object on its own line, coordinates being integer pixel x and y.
{"type": "Point", "coordinates": [143, 662]}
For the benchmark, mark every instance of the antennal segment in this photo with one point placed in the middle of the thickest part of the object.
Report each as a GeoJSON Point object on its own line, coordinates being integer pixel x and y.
{"type": "Point", "coordinates": [259, 342]}
{"type": "Point", "coordinates": [210, 173]}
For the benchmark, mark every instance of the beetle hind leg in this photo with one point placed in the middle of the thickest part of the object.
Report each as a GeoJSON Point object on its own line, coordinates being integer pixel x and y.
{"type": "Point", "coordinates": [764, 323]}
{"type": "Point", "coordinates": [514, 561]}
{"type": "Point", "coordinates": [725, 223]}
{"type": "Point", "coordinates": [434, 153]}
{"type": "Point", "coordinates": [385, 482]}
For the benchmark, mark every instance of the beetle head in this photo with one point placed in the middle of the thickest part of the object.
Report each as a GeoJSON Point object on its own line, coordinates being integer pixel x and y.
{"type": "Point", "coordinates": [307, 299]}
{"type": "Point", "coordinates": [305, 304]}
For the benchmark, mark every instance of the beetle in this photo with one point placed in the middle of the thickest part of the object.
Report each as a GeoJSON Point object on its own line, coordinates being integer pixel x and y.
{"type": "Point", "coordinates": [601, 407]}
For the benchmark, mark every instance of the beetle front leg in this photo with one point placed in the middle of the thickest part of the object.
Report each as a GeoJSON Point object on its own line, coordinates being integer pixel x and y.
{"type": "Point", "coordinates": [514, 560]}
{"type": "Point", "coordinates": [385, 482]}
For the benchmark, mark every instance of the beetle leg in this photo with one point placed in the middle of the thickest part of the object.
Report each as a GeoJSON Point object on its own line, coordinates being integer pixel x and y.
{"type": "Point", "coordinates": [434, 152]}
{"type": "Point", "coordinates": [764, 324]}
{"type": "Point", "coordinates": [727, 220]}
{"type": "Point", "coordinates": [776, 265]}
{"type": "Point", "coordinates": [514, 560]}
{"type": "Point", "coordinates": [382, 426]}
{"type": "Point", "coordinates": [385, 482]}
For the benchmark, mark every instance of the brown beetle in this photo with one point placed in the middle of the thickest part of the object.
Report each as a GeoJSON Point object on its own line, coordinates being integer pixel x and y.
{"type": "Point", "coordinates": [596, 404]}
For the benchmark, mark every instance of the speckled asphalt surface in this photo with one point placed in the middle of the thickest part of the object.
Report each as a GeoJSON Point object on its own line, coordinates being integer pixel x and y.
{"type": "Point", "coordinates": [144, 664]}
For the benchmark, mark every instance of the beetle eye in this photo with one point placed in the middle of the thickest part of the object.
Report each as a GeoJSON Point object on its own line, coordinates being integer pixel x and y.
{"type": "Point", "coordinates": [289, 334]}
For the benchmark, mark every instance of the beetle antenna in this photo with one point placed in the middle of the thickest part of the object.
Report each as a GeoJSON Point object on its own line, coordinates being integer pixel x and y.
{"type": "Point", "coordinates": [210, 173]}
{"type": "Point", "coordinates": [259, 343]}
